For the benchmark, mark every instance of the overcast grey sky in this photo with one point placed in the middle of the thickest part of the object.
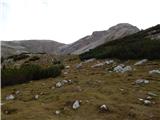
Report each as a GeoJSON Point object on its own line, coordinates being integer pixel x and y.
{"type": "Point", "coordinates": [68, 20]}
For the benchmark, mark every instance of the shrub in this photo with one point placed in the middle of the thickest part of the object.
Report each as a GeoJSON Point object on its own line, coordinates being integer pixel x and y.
{"type": "Point", "coordinates": [18, 57]}
{"type": "Point", "coordinates": [134, 46]}
{"type": "Point", "coordinates": [34, 58]}
{"type": "Point", "coordinates": [27, 72]}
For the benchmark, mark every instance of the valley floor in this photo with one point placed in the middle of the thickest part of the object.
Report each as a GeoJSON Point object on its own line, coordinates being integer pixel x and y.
{"type": "Point", "coordinates": [93, 87]}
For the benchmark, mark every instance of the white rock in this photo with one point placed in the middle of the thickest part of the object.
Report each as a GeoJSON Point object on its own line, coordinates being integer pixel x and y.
{"type": "Point", "coordinates": [147, 102]}
{"type": "Point", "coordinates": [118, 68]}
{"type": "Point", "coordinates": [57, 112]}
{"type": "Point", "coordinates": [140, 99]}
{"type": "Point", "coordinates": [89, 60]}
{"type": "Point", "coordinates": [141, 62]}
{"type": "Point", "coordinates": [146, 81]}
{"type": "Point", "coordinates": [154, 72]}
{"type": "Point", "coordinates": [58, 84]}
{"type": "Point", "coordinates": [98, 65]}
{"type": "Point", "coordinates": [103, 108]}
{"type": "Point", "coordinates": [109, 61]}
{"type": "Point", "coordinates": [79, 65]}
{"type": "Point", "coordinates": [76, 105]}
{"type": "Point", "coordinates": [67, 67]}
{"type": "Point", "coordinates": [36, 97]}
{"type": "Point", "coordinates": [65, 73]}
{"type": "Point", "coordinates": [64, 81]}
{"type": "Point", "coordinates": [127, 68]}
{"type": "Point", "coordinates": [17, 92]}
{"type": "Point", "coordinates": [142, 81]}
{"type": "Point", "coordinates": [10, 97]}
{"type": "Point", "coordinates": [149, 98]}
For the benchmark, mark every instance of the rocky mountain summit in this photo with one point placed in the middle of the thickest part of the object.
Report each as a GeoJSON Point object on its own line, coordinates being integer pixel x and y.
{"type": "Point", "coordinates": [99, 37]}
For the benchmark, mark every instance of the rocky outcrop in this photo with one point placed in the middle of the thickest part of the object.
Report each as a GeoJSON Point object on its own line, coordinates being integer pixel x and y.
{"type": "Point", "coordinates": [99, 37]}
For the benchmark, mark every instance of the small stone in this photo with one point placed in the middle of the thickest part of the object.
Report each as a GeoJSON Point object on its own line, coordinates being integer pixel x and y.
{"type": "Point", "coordinates": [36, 97]}
{"type": "Point", "coordinates": [17, 92]}
{"type": "Point", "coordinates": [140, 99]}
{"type": "Point", "coordinates": [154, 72]}
{"type": "Point", "coordinates": [79, 65]}
{"type": "Point", "coordinates": [76, 105]}
{"type": "Point", "coordinates": [149, 98]}
{"type": "Point", "coordinates": [64, 81]}
{"type": "Point", "coordinates": [65, 73]}
{"type": "Point", "coordinates": [141, 62]}
{"type": "Point", "coordinates": [109, 62]}
{"type": "Point", "coordinates": [70, 81]}
{"type": "Point", "coordinates": [59, 84]}
{"type": "Point", "coordinates": [57, 112]}
{"type": "Point", "coordinates": [98, 65]}
{"type": "Point", "coordinates": [10, 97]}
{"type": "Point", "coordinates": [89, 60]}
{"type": "Point", "coordinates": [67, 67]}
{"type": "Point", "coordinates": [146, 81]}
{"type": "Point", "coordinates": [147, 102]}
{"type": "Point", "coordinates": [103, 108]}
{"type": "Point", "coordinates": [142, 81]}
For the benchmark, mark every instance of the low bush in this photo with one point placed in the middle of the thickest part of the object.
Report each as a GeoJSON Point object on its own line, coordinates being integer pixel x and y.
{"type": "Point", "coordinates": [34, 58]}
{"type": "Point", "coordinates": [27, 72]}
{"type": "Point", "coordinates": [136, 46]}
{"type": "Point", "coordinates": [18, 57]}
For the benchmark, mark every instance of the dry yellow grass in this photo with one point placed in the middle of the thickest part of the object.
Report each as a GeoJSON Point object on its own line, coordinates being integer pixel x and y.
{"type": "Point", "coordinates": [97, 87]}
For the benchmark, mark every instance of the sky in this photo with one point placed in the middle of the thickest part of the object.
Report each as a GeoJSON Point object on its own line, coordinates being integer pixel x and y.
{"type": "Point", "coordinates": [67, 21]}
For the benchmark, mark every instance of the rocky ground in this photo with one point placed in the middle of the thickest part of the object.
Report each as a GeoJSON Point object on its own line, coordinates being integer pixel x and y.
{"type": "Point", "coordinates": [90, 90]}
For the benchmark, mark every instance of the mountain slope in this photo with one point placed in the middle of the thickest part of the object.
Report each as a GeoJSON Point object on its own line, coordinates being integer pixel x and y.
{"type": "Point", "coordinates": [144, 44]}
{"type": "Point", "coordinates": [99, 37]}
{"type": "Point", "coordinates": [17, 47]}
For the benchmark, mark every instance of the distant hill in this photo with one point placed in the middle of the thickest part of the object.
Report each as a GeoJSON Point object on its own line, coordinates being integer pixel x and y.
{"type": "Point", "coordinates": [144, 44]}
{"type": "Point", "coordinates": [99, 37]}
{"type": "Point", "coordinates": [35, 46]}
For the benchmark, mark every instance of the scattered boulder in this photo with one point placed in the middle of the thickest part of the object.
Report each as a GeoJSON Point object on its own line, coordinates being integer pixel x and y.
{"type": "Point", "coordinates": [78, 66]}
{"type": "Point", "coordinates": [65, 73]}
{"type": "Point", "coordinates": [57, 112]}
{"type": "Point", "coordinates": [76, 105]}
{"type": "Point", "coordinates": [59, 84]}
{"type": "Point", "coordinates": [89, 60]}
{"type": "Point", "coordinates": [154, 72]}
{"type": "Point", "coordinates": [67, 67]}
{"type": "Point", "coordinates": [147, 102]}
{"type": "Point", "coordinates": [10, 97]}
{"type": "Point", "coordinates": [109, 62]}
{"type": "Point", "coordinates": [98, 65]}
{"type": "Point", "coordinates": [142, 81]}
{"type": "Point", "coordinates": [121, 68]}
{"type": "Point", "coordinates": [103, 108]}
{"type": "Point", "coordinates": [149, 98]}
{"type": "Point", "coordinates": [63, 82]}
{"type": "Point", "coordinates": [141, 62]}
{"type": "Point", "coordinates": [36, 97]}
{"type": "Point", "coordinates": [17, 92]}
